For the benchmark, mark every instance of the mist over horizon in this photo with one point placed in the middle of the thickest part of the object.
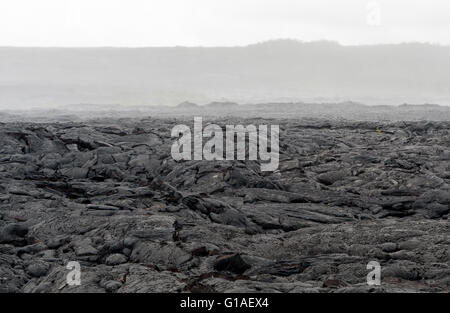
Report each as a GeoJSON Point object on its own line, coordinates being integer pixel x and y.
{"type": "Point", "coordinates": [271, 71]}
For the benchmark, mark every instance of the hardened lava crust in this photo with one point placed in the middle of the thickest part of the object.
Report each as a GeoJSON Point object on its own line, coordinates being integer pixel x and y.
{"type": "Point", "coordinates": [106, 193]}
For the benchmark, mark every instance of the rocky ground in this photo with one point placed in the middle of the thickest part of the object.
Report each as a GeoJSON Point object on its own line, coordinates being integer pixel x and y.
{"type": "Point", "coordinates": [107, 193]}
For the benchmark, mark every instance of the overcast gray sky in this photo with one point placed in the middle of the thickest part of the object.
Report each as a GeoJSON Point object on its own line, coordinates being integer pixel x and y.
{"type": "Point", "coordinates": [137, 23]}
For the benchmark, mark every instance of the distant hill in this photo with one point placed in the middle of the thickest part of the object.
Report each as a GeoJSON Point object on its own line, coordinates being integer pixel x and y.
{"type": "Point", "coordinates": [275, 71]}
{"type": "Point", "coordinates": [187, 105]}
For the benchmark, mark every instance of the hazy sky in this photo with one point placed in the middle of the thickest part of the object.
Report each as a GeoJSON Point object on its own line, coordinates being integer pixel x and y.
{"type": "Point", "coordinates": [219, 22]}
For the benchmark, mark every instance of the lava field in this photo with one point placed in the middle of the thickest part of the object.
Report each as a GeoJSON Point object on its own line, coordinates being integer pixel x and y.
{"type": "Point", "coordinates": [106, 193]}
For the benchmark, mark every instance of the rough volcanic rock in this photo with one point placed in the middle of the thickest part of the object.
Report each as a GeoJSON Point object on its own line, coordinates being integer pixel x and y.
{"type": "Point", "coordinates": [107, 194]}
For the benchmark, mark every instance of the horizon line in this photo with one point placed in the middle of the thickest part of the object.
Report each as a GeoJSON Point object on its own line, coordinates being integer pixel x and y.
{"type": "Point", "coordinates": [294, 41]}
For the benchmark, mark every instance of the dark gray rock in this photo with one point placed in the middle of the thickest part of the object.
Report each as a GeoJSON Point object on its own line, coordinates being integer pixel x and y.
{"type": "Point", "coordinates": [13, 233]}
{"type": "Point", "coordinates": [231, 263]}
{"type": "Point", "coordinates": [38, 269]}
{"type": "Point", "coordinates": [116, 259]}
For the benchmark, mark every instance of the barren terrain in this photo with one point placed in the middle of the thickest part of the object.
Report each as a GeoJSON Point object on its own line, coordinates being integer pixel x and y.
{"type": "Point", "coordinates": [106, 193]}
